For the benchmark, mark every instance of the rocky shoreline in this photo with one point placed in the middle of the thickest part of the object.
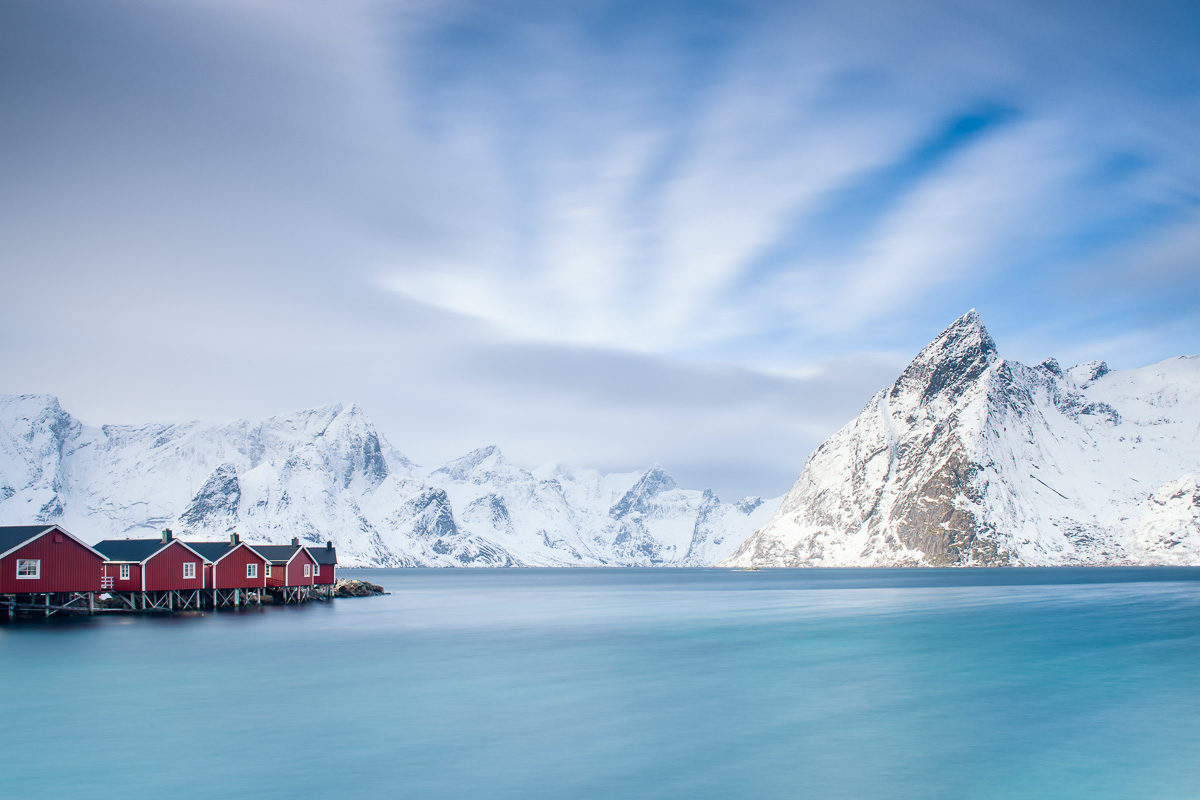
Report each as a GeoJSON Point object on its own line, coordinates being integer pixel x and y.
{"type": "Point", "coordinates": [346, 587]}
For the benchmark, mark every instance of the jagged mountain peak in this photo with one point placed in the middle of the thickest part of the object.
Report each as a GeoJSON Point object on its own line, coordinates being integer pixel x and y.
{"type": "Point", "coordinates": [965, 334]}
{"type": "Point", "coordinates": [748, 504]}
{"type": "Point", "coordinates": [30, 402]}
{"type": "Point", "coordinates": [341, 418]}
{"type": "Point", "coordinates": [954, 360]}
{"type": "Point", "coordinates": [476, 466]}
{"type": "Point", "coordinates": [657, 478]}
{"type": "Point", "coordinates": [310, 420]}
{"type": "Point", "coordinates": [1051, 365]}
{"type": "Point", "coordinates": [35, 411]}
{"type": "Point", "coordinates": [1088, 371]}
{"type": "Point", "coordinates": [653, 481]}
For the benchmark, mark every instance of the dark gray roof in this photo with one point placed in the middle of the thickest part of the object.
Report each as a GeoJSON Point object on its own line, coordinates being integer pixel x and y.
{"type": "Point", "coordinates": [323, 555]}
{"type": "Point", "coordinates": [14, 535]}
{"type": "Point", "coordinates": [211, 550]}
{"type": "Point", "coordinates": [276, 553]}
{"type": "Point", "coordinates": [129, 549]}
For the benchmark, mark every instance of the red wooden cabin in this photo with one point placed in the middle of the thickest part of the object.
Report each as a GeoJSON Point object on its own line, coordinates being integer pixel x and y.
{"type": "Point", "coordinates": [326, 564]}
{"type": "Point", "coordinates": [233, 564]}
{"type": "Point", "coordinates": [41, 559]}
{"type": "Point", "coordinates": [291, 569]}
{"type": "Point", "coordinates": [155, 566]}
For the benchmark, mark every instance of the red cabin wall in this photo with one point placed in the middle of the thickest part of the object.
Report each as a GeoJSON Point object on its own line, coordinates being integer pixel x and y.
{"type": "Point", "coordinates": [134, 584]}
{"type": "Point", "coordinates": [277, 573]}
{"type": "Point", "coordinates": [326, 576]}
{"type": "Point", "coordinates": [295, 570]}
{"type": "Point", "coordinates": [67, 566]}
{"type": "Point", "coordinates": [164, 571]}
{"type": "Point", "coordinates": [230, 571]}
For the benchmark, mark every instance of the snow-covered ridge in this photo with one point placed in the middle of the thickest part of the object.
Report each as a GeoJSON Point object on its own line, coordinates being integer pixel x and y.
{"type": "Point", "coordinates": [327, 474]}
{"type": "Point", "coordinates": [972, 459]}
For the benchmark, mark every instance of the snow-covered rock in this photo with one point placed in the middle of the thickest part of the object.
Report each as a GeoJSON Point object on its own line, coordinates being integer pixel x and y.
{"type": "Point", "coordinates": [971, 459]}
{"type": "Point", "coordinates": [327, 474]}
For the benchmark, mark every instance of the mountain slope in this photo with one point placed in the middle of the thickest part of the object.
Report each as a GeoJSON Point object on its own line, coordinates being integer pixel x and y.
{"type": "Point", "coordinates": [971, 459]}
{"type": "Point", "coordinates": [326, 473]}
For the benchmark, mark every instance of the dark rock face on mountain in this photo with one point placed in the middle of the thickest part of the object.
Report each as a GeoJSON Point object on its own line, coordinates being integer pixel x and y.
{"type": "Point", "coordinates": [971, 459]}
{"type": "Point", "coordinates": [217, 498]}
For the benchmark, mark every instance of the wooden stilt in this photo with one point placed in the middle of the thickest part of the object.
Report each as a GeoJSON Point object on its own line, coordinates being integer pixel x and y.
{"type": "Point", "coordinates": [91, 603]}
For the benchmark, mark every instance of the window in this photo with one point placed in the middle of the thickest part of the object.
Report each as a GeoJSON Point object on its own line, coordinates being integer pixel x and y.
{"type": "Point", "coordinates": [189, 569]}
{"type": "Point", "coordinates": [316, 570]}
{"type": "Point", "coordinates": [124, 572]}
{"type": "Point", "coordinates": [307, 570]}
{"type": "Point", "coordinates": [267, 571]}
{"type": "Point", "coordinates": [252, 570]}
{"type": "Point", "coordinates": [29, 568]}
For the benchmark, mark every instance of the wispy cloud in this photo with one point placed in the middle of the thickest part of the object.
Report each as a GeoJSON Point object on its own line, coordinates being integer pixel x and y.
{"type": "Point", "coordinates": [582, 214]}
{"type": "Point", "coordinates": [682, 184]}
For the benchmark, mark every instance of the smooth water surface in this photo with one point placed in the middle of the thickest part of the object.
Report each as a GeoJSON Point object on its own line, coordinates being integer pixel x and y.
{"type": "Point", "coordinates": [1056, 683]}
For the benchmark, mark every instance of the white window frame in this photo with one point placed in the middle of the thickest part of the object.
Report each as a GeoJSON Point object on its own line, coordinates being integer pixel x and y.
{"type": "Point", "coordinates": [267, 571]}
{"type": "Point", "coordinates": [32, 567]}
{"type": "Point", "coordinates": [189, 570]}
{"type": "Point", "coordinates": [316, 570]}
{"type": "Point", "coordinates": [252, 570]}
{"type": "Point", "coordinates": [125, 572]}
{"type": "Point", "coordinates": [308, 570]}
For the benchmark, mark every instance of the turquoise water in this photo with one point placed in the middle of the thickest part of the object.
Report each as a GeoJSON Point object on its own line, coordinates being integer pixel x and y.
{"type": "Point", "coordinates": [1055, 683]}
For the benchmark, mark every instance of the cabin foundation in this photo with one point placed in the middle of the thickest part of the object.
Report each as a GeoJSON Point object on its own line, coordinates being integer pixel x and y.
{"type": "Point", "coordinates": [47, 604]}
{"type": "Point", "coordinates": [234, 598]}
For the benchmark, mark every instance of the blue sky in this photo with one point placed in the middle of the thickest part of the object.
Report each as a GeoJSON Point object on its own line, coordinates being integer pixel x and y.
{"type": "Point", "coordinates": [701, 233]}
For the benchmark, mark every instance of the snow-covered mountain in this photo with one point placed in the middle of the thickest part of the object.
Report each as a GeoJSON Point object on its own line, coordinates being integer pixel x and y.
{"type": "Point", "coordinates": [972, 459]}
{"type": "Point", "coordinates": [326, 473]}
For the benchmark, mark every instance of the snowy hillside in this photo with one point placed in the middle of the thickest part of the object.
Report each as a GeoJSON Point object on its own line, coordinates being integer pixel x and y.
{"type": "Point", "coordinates": [971, 459]}
{"type": "Point", "coordinates": [326, 473]}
